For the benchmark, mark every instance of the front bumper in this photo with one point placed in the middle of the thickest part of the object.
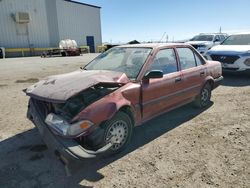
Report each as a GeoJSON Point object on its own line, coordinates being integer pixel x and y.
{"type": "Point", "coordinates": [231, 67]}
{"type": "Point", "coordinates": [217, 81]}
{"type": "Point", "coordinates": [66, 149]}
{"type": "Point", "coordinates": [235, 70]}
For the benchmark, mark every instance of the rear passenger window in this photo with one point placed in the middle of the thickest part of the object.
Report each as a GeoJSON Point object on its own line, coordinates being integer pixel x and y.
{"type": "Point", "coordinates": [186, 56]}
{"type": "Point", "coordinates": [165, 60]}
{"type": "Point", "coordinates": [199, 61]}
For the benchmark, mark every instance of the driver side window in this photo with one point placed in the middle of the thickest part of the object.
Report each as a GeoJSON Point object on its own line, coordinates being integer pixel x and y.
{"type": "Point", "coordinates": [217, 38]}
{"type": "Point", "coordinates": [165, 60]}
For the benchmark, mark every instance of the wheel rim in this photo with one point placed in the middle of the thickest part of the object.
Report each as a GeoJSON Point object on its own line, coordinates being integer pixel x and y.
{"type": "Point", "coordinates": [117, 134]}
{"type": "Point", "coordinates": [204, 96]}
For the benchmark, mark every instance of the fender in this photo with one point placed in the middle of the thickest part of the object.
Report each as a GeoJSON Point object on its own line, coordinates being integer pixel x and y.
{"type": "Point", "coordinates": [208, 79]}
{"type": "Point", "coordinates": [103, 109]}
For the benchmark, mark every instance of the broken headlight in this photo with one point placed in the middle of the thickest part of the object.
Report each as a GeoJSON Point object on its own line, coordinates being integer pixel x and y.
{"type": "Point", "coordinates": [64, 128]}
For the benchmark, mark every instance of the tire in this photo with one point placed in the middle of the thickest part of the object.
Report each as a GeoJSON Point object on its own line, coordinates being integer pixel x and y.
{"type": "Point", "coordinates": [64, 54]}
{"type": "Point", "coordinates": [203, 99]}
{"type": "Point", "coordinates": [118, 130]}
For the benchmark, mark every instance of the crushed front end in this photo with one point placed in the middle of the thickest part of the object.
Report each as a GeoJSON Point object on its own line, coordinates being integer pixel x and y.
{"type": "Point", "coordinates": [68, 138]}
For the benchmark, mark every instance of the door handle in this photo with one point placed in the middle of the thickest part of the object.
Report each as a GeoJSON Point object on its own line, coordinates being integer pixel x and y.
{"type": "Point", "coordinates": [202, 73]}
{"type": "Point", "coordinates": [178, 79]}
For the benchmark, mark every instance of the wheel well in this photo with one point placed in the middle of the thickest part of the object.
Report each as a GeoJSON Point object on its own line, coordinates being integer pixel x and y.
{"type": "Point", "coordinates": [128, 110]}
{"type": "Point", "coordinates": [211, 83]}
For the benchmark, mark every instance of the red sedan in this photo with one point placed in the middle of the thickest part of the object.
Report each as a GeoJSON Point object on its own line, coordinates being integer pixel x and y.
{"type": "Point", "coordinates": [93, 110]}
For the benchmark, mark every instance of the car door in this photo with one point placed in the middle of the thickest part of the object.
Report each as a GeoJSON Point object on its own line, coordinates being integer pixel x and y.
{"type": "Point", "coordinates": [161, 94]}
{"type": "Point", "coordinates": [192, 70]}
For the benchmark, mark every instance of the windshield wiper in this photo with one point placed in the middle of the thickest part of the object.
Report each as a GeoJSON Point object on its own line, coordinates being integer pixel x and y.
{"type": "Point", "coordinates": [83, 68]}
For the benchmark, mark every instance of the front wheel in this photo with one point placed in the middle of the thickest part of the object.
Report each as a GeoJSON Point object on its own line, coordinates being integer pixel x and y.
{"type": "Point", "coordinates": [118, 131]}
{"type": "Point", "coordinates": [203, 99]}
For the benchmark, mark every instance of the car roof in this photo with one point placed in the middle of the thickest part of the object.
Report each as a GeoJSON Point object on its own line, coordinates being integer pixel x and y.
{"type": "Point", "coordinates": [242, 33]}
{"type": "Point", "coordinates": [153, 45]}
{"type": "Point", "coordinates": [213, 34]}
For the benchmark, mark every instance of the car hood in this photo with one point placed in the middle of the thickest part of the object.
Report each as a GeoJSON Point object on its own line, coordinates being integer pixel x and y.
{"type": "Point", "coordinates": [60, 88]}
{"type": "Point", "coordinates": [231, 48]}
{"type": "Point", "coordinates": [199, 42]}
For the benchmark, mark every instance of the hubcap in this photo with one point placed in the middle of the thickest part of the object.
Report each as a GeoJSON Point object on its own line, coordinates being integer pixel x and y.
{"type": "Point", "coordinates": [204, 95]}
{"type": "Point", "coordinates": [117, 134]}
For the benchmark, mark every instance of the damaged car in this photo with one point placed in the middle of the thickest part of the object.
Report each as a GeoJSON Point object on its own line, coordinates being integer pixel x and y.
{"type": "Point", "coordinates": [93, 110]}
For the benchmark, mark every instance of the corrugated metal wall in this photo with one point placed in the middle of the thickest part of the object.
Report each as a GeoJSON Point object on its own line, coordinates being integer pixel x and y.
{"type": "Point", "coordinates": [33, 34]}
{"type": "Point", "coordinates": [51, 21]}
{"type": "Point", "coordinates": [78, 21]}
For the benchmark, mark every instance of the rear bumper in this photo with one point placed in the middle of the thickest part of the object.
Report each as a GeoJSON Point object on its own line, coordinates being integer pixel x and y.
{"type": "Point", "coordinates": [217, 82]}
{"type": "Point", "coordinates": [66, 149]}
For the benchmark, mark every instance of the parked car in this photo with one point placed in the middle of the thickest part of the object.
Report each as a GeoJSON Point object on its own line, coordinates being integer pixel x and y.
{"type": "Point", "coordinates": [92, 111]}
{"type": "Point", "coordinates": [233, 53]}
{"type": "Point", "coordinates": [205, 41]}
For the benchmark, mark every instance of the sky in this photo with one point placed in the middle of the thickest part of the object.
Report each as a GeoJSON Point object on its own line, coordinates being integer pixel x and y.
{"type": "Point", "coordinates": [148, 20]}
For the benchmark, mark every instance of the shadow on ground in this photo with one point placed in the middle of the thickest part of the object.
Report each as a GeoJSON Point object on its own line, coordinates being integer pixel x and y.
{"type": "Point", "coordinates": [236, 79]}
{"type": "Point", "coordinates": [26, 162]}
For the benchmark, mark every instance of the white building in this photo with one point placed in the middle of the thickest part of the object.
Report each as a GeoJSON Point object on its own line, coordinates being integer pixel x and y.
{"type": "Point", "coordinates": [43, 23]}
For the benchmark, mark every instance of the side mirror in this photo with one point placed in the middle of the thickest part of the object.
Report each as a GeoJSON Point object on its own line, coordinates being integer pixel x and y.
{"type": "Point", "coordinates": [153, 74]}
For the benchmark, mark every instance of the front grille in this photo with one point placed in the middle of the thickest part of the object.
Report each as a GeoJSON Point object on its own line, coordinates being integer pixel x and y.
{"type": "Point", "coordinates": [229, 59]}
{"type": "Point", "coordinates": [231, 69]}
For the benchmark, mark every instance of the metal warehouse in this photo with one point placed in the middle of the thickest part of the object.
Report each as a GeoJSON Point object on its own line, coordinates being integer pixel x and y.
{"type": "Point", "coordinates": [34, 24]}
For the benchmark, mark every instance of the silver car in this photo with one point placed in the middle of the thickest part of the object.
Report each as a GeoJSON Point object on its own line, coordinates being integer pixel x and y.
{"type": "Point", "coordinates": [233, 53]}
{"type": "Point", "coordinates": [205, 41]}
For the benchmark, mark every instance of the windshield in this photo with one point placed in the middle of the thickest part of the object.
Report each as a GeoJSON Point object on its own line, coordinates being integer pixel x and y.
{"type": "Point", "coordinates": [203, 38]}
{"type": "Point", "coordinates": [121, 59]}
{"type": "Point", "coordinates": [237, 40]}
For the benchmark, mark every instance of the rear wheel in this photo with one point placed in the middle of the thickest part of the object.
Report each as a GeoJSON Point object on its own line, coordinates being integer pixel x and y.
{"type": "Point", "coordinates": [203, 99]}
{"type": "Point", "coordinates": [118, 131]}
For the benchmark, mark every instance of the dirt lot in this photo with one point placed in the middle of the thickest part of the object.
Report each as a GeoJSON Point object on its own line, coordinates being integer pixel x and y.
{"type": "Point", "coordinates": [184, 148]}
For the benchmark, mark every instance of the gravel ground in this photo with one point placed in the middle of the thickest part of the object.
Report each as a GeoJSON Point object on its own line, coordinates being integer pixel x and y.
{"type": "Point", "coordinates": [186, 147]}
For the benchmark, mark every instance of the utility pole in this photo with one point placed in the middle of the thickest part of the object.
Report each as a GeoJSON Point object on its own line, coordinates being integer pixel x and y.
{"type": "Point", "coordinates": [162, 36]}
{"type": "Point", "coordinates": [220, 30]}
